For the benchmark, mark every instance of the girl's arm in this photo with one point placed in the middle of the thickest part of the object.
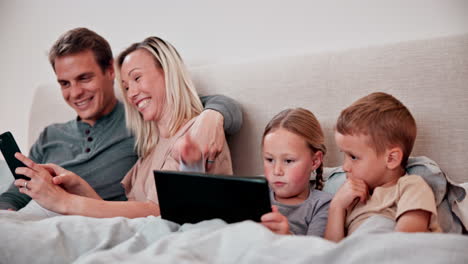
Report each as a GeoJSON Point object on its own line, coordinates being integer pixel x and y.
{"type": "Point", "coordinates": [413, 221]}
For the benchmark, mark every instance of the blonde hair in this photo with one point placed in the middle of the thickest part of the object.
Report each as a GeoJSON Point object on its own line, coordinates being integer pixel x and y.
{"type": "Point", "coordinates": [384, 119]}
{"type": "Point", "coordinates": [181, 94]}
{"type": "Point", "coordinates": [303, 123]}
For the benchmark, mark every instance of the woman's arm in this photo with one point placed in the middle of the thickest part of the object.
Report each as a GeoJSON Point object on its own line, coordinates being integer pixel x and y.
{"type": "Point", "coordinates": [51, 196]}
{"type": "Point", "coordinates": [79, 205]}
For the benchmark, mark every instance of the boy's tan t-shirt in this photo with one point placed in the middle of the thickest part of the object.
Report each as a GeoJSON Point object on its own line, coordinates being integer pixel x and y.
{"type": "Point", "coordinates": [139, 182]}
{"type": "Point", "coordinates": [411, 192]}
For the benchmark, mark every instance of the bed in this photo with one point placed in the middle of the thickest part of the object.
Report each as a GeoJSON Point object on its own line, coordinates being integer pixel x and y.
{"type": "Point", "coordinates": [429, 76]}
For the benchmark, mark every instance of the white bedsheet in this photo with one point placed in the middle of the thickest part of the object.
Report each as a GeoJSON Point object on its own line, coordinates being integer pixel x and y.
{"type": "Point", "coordinates": [66, 239]}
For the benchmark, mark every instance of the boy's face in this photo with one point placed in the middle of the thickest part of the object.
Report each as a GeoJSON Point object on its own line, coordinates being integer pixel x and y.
{"type": "Point", "coordinates": [361, 160]}
{"type": "Point", "coordinates": [288, 163]}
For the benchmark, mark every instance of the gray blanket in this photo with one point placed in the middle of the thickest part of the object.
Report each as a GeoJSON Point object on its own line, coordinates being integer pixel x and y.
{"type": "Point", "coordinates": [77, 239]}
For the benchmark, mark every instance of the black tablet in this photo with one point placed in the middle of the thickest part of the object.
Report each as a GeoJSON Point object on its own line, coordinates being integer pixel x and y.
{"type": "Point", "coordinates": [186, 197]}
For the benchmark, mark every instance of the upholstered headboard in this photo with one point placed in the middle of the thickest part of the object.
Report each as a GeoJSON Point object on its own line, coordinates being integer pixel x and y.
{"type": "Point", "coordinates": [429, 76]}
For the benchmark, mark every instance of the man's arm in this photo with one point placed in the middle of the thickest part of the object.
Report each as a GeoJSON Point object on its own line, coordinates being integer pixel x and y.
{"type": "Point", "coordinates": [13, 198]}
{"type": "Point", "coordinates": [228, 108]}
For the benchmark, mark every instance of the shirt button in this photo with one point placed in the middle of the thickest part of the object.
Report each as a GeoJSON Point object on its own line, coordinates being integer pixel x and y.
{"type": "Point", "coordinates": [87, 131]}
{"type": "Point", "coordinates": [87, 150]}
{"type": "Point", "coordinates": [90, 139]}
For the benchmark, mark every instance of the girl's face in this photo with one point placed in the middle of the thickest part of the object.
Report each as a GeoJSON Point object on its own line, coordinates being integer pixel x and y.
{"type": "Point", "coordinates": [144, 84]}
{"type": "Point", "coordinates": [288, 163]}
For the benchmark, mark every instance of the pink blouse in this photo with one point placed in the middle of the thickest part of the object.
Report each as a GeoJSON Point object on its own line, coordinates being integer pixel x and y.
{"type": "Point", "coordinates": [139, 182]}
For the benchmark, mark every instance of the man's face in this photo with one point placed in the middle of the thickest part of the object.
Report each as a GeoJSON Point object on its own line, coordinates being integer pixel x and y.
{"type": "Point", "coordinates": [88, 90]}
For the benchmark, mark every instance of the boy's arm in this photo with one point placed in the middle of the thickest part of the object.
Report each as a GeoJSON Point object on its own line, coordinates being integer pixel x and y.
{"type": "Point", "coordinates": [415, 206]}
{"type": "Point", "coordinates": [351, 192]}
{"type": "Point", "coordinates": [413, 221]}
{"type": "Point", "coordinates": [228, 108]}
{"type": "Point", "coordinates": [335, 230]}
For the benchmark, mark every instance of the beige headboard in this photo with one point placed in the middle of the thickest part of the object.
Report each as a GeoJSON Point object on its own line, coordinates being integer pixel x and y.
{"type": "Point", "coordinates": [429, 76]}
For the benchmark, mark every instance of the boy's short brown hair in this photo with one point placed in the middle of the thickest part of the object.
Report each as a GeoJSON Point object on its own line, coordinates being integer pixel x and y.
{"type": "Point", "coordinates": [383, 118]}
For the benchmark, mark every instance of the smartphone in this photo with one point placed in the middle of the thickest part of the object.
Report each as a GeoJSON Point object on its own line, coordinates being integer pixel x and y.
{"type": "Point", "coordinates": [9, 147]}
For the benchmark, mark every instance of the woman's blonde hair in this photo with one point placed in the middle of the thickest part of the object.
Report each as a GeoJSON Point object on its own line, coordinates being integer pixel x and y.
{"type": "Point", "coordinates": [303, 123]}
{"type": "Point", "coordinates": [181, 94]}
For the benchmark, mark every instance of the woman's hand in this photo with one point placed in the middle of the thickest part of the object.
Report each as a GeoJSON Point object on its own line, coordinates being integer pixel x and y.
{"type": "Point", "coordinates": [276, 222]}
{"type": "Point", "coordinates": [208, 132]}
{"type": "Point", "coordinates": [190, 157]}
{"type": "Point", "coordinates": [40, 186]}
{"type": "Point", "coordinates": [69, 181]}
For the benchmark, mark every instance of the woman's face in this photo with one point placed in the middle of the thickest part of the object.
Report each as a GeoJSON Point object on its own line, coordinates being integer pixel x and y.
{"type": "Point", "coordinates": [144, 84]}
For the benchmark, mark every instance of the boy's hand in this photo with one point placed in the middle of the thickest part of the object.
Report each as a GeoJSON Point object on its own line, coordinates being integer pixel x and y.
{"type": "Point", "coordinates": [276, 222]}
{"type": "Point", "coordinates": [350, 193]}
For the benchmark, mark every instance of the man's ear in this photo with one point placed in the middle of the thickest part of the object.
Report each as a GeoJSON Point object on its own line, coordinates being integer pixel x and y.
{"type": "Point", "coordinates": [317, 159]}
{"type": "Point", "coordinates": [111, 69]}
{"type": "Point", "coordinates": [394, 157]}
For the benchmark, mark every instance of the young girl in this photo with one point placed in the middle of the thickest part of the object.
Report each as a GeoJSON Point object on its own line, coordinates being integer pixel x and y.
{"type": "Point", "coordinates": [293, 147]}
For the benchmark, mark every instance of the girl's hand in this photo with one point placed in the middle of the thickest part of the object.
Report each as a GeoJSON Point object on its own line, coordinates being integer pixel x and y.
{"type": "Point", "coordinates": [276, 222]}
{"type": "Point", "coordinates": [350, 193]}
{"type": "Point", "coordinates": [40, 186]}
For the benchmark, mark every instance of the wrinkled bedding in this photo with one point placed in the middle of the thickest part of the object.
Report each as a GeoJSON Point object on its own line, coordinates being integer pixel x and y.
{"type": "Point", "coordinates": [78, 239]}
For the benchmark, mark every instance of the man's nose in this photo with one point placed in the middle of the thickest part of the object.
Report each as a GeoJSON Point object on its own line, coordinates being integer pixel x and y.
{"type": "Point", "coordinates": [76, 90]}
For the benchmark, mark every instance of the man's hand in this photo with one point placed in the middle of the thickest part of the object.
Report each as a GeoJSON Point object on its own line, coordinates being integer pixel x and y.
{"type": "Point", "coordinates": [276, 222]}
{"type": "Point", "coordinates": [208, 134]}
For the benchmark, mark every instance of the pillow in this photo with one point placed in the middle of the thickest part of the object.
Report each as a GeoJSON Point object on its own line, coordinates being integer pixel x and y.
{"type": "Point", "coordinates": [333, 179]}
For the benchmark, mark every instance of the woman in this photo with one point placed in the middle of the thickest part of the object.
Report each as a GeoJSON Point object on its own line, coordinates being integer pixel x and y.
{"type": "Point", "coordinates": [161, 105]}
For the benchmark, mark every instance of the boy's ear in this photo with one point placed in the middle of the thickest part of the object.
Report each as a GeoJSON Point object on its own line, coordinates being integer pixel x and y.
{"type": "Point", "coordinates": [317, 159]}
{"type": "Point", "coordinates": [394, 157]}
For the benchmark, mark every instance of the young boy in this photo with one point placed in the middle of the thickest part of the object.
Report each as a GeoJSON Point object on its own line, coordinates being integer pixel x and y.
{"type": "Point", "coordinates": [376, 134]}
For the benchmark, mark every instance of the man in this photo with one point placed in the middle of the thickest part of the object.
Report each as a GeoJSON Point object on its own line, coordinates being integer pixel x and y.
{"type": "Point", "coordinates": [96, 145]}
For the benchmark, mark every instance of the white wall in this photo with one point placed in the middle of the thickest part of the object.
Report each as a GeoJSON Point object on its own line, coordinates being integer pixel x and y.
{"type": "Point", "coordinates": [204, 32]}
